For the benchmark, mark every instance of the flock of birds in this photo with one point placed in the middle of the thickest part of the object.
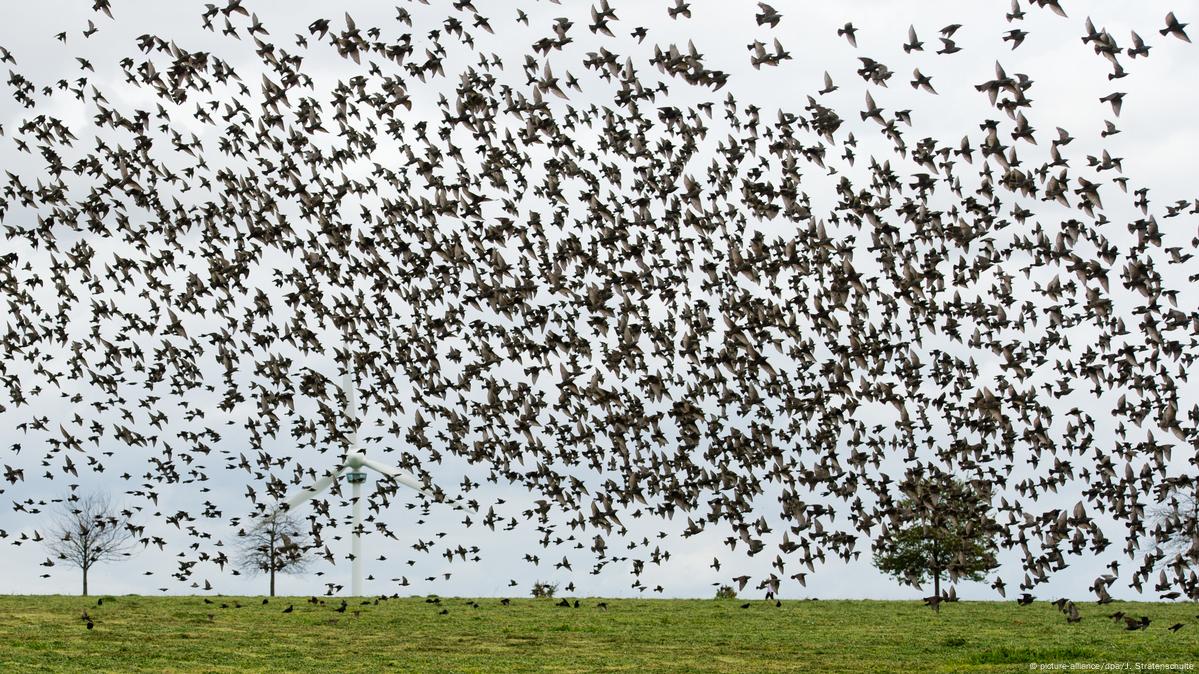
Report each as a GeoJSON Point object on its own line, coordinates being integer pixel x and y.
{"type": "Point", "coordinates": [583, 300]}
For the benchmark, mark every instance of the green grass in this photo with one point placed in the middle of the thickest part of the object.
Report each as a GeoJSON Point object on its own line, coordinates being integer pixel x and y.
{"type": "Point", "coordinates": [175, 634]}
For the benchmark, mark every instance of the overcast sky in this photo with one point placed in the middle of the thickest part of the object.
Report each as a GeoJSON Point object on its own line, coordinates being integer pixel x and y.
{"type": "Point", "coordinates": [1157, 143]}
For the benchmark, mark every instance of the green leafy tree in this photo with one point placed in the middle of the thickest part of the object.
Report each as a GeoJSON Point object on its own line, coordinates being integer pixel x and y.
{"type": "Point", "coordinates": [943, 528]}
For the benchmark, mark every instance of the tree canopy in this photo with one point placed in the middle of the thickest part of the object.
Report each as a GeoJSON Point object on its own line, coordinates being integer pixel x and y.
{"type": "Point", "coordinates": [945, 529]}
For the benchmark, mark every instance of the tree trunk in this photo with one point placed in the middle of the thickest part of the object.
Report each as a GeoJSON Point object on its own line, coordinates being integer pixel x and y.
{"type": "Point", "coordinates": [937, 590]}
{"type": "Point", "coordinates": [936, 574]}
{"type": "Point", "coordinates": [272, 562]}
{"type": "Point", "coordinates": [85, 581]}
{"type": "Point", "coordinates": [272, 581]}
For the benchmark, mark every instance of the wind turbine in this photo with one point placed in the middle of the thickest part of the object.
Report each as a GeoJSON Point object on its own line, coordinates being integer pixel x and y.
{"type": "Point", "coordinates": [354, 470]}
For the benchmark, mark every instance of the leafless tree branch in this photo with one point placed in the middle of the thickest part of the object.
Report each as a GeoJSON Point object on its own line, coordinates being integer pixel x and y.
{"type": "Point", "coordinates": [89, 530]}
{"type": "Point", "coordinates": [278, 545]}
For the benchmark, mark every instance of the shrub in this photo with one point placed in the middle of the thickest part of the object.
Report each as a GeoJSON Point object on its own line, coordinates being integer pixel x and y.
{"type": "Point", "coordinates": [544, 590]}
{"type": "Point", "coordinates": [726, 592]}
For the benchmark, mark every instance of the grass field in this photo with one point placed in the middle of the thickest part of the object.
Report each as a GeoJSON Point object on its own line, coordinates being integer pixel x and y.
{"type": "Point", "coordinates": [183, 634]}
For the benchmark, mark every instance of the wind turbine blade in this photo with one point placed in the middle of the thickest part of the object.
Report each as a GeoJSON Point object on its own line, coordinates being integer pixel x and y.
{"type": "Point", "coordinates": [403, 477]}
{"type": "Point", "coordinates": [351, 391]}
{"type": "Point", "coordinates": [310, 492]}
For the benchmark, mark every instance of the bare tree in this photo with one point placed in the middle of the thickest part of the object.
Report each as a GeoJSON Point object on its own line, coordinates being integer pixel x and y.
{"type": "Point", "coordinates": [1175, 536]}
{"type": "Point", "coordinates": [1176, 521]}
{"type": "Point", "coordinates": [89, 530]}
{"type": "Point", "coordinates": [277, 545]}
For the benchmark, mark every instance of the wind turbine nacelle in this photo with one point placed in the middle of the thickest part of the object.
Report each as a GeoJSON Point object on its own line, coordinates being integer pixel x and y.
{"type": "Point", "coordinates": [355, 464]}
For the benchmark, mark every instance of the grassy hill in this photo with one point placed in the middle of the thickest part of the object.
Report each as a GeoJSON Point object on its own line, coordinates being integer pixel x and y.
{"type": "Point", "coordinates": [46, 633]}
